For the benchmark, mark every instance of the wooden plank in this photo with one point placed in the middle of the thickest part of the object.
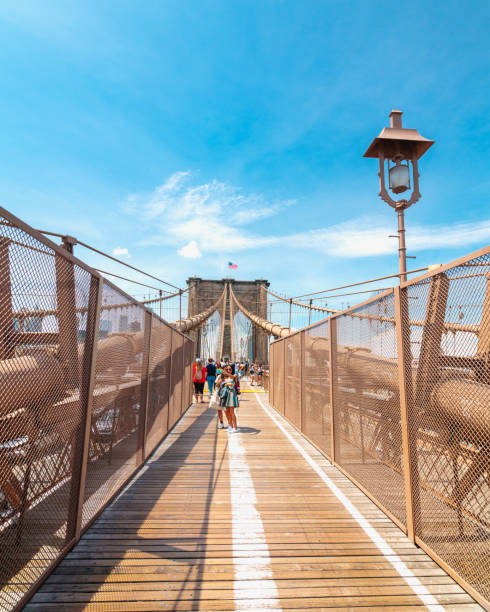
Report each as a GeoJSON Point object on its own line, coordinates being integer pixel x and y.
{"type": "Point", "coordinates": [185, 535]}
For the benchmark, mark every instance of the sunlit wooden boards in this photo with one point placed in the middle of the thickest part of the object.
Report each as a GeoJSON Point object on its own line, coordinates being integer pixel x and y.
{"type": "Point", "coordinates": [213, 523]}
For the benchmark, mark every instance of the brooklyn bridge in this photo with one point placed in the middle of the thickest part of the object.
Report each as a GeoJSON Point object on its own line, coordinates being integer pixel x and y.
{"type": "Point", "coordinates": [359, 478]}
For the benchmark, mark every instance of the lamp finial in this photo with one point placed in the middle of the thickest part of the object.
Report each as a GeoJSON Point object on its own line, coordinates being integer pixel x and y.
{"type": "Point", "coordinates": [396, 118]}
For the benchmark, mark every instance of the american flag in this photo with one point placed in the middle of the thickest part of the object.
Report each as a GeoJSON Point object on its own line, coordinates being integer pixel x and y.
{"type": "Point", "coordinates": [232, 266]}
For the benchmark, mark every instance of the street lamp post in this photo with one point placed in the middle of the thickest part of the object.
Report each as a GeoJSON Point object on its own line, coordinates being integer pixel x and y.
{"type": "Point", "coordinates": [403, 148]}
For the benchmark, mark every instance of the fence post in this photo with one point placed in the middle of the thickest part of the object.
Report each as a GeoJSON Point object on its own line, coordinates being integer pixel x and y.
{"type": "Point", "coordinates": [332, 349]}
{"type": "Point", "coordinates": [283, 343]}
{"type": "Point", "coordinates": [67, 318]}
{"type": "Point", "coordinates": [405, 383]}
{"type": "Point", "coordinates": [7, 349]}
{"type": "Point", "coordinates": [483, 348]}
{"type": "Point", "coordinates": [271, 374]}
{"type": "Point", "coordinates": [301, 371]}
{"type": "Point", "coordinates": [144, 389]}
{"type": "Point", "coordinates": [430, 348]}
{"type": "Point", "coordinates": [182, 390]}
{"type": "Point", "coordinates": [188, 378]}
{"type": "Point", "coordinates": [82, 439]}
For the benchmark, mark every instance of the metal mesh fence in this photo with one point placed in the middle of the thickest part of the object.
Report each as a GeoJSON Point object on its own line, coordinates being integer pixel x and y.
{"type": "Point", "coordinates": [43, 309]}
{"type": "Point", "coordinates": [411, 408]}
{"type": "Point", "coordinates": [368, 441]}
{"type": "Point", "coordinates": [292, 382]}
{"type": "Point", "coordinates": [159, 383]}
{"type": "Point", "coordinates": [176, 378]}
{"type": "Point", "coordinates": [187, 384]}
{"type": "Point", "coordinates": [116, 400]}
{"type": "Point", "coordinates": [270, 374]}
{"type": "Point", "coordinates": [316, 386]}
{"type": "Point", "coordinates": [278, 376]}
{"type": "Point", "coordinates": [72, 407]}
{"type": "Point", "coordinates": [449, 416]}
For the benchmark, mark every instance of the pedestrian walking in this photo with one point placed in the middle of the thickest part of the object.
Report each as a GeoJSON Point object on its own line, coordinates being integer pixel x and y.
{"type": "Point", "coordinates": [199, 378]}
{"type": "Point", "coordinates": [241, 370]}
{"type": "Point", "coordinates": [252, 374]}
{"type": "Point", "coordinates": [219, 369]}
{"type": "Point", "coordinates": [211, 375]}
{"type": "Point", "coordinates": [260, 371]}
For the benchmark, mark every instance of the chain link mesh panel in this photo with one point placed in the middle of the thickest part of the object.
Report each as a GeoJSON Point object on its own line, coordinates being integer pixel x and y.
{"type": "Point", "coordinates": [46, 303]}
{"type": "Point", "coordinates": [278, 379]}
{"type": "Point", "coordinates": [271, 374]}
{"type": "Point", "coordinates": [368, 440]}
{"type": "Point", "coordinates": [316, 386]}
{"type": "Point", "coordinates": [176, 378]}
{"type": "Point", "coordinates": [116, 399]}
{"type": "Point", "coordinates": [448, 329]}
{"type": "Point", "coordinates": [43, 312]}
{"type": "Point", "coordinates": [292, 386]}
{"type": "Point", "coordinates": [159, 383]}
{"type": "Point", "coordinates": [444, 329]}
{"type": "Point", "coordinates": [187, 385]}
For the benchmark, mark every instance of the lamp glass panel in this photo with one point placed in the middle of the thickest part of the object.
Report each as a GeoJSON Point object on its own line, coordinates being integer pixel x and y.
{"type": "Point", "coordinates": [399, 178]}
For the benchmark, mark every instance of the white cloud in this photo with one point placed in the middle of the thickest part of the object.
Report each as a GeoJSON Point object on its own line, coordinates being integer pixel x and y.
{"type": "Point", "coordinates": [212, 217]}
{"type": "Point", "coordinates": [165, 194]}
{"type": "Point", "coordinates": [360, 238]}
{"type": "Point", "coordinates": [120, 251]}
{"type": "Point", "coordinates": [216, 217]}
{"type": "Point", "coordinates": [190, 250]}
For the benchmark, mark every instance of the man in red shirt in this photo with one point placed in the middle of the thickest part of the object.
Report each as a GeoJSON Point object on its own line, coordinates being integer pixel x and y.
{"type": "Point", "coordinates": [199, 374]}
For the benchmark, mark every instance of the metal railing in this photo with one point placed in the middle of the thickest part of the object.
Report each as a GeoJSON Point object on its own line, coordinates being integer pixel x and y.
{"type": "Point", "coordinates": [90, 382]}
{"type": "Point", "coordinates": [396, 393]}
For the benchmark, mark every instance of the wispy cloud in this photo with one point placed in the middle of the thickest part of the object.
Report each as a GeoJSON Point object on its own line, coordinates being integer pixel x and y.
{"type": "Point", "coordinates": [118, 251]}
{"type": "Point", "coordinates": [211, 217]}
{"type": "Point", "coordinates": [360, 238]}
{"type": "Point", "coordinates": [216, 217]}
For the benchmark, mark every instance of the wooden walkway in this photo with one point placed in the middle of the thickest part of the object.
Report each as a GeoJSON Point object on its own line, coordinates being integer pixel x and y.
{"type": "Point", "coordinates": [252, 521]}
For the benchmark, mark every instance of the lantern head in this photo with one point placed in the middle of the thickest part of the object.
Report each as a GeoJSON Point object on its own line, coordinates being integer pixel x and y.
{"type": "Point", "coordinates": [399, 177]}
{"type": "Point", "coordinates": [402, 147]}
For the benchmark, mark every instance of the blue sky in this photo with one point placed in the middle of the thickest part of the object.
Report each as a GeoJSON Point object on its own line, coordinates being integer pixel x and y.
{"type": "Point", "coordinates": [186, 134]}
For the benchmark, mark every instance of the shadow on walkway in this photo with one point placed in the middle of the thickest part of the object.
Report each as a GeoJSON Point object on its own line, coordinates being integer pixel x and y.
{"type": "Point", "coordinates": [141, 492]}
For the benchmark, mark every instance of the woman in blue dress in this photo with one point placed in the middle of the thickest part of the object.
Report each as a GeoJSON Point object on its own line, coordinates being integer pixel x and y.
{"type": "Point", "coordinates": [229, 390]}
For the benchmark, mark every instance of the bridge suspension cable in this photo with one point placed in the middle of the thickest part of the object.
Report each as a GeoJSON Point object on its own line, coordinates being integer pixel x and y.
{"type": "Point", "coordinates": [165, 297]}
{"type": "Point", "coordinates": [371, 280]}
{"type": "Point", "coordinates": [130, 280]}
{"type": "Point", "coordinates": [190, 323]}
{"type": "Point", "coordinates": [268, 326]}
{"type": "Point", "coordinates": [71, 241]}
{"type": "Point", "coordinates": [292, 301]}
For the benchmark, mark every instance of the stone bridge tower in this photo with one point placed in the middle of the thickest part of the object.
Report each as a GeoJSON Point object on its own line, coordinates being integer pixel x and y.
{"type": "Point", "coordinates": [204, 293]}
